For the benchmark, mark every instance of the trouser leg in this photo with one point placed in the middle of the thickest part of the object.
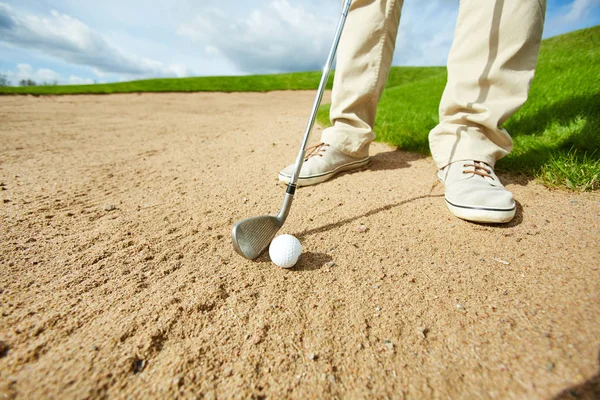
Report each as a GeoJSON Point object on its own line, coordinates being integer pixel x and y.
{"type": "Point", "coordinates": [363, 63]}
{"type": "Point", "coordinates": [490, 69]}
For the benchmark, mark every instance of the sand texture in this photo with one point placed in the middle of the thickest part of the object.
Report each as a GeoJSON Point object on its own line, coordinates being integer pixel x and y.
{"type": "Point", "coordinates": [118, 278]}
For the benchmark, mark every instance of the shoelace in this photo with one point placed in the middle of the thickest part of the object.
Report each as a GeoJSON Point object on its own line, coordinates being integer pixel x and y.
{"type": "Point", "coordinates": [480, 169]}
{"type": "Point", "coordinates": [315, 151]}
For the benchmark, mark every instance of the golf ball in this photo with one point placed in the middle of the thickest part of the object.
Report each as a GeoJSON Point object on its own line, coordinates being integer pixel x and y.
{"type": "Point", "coordinates": [285, 251]}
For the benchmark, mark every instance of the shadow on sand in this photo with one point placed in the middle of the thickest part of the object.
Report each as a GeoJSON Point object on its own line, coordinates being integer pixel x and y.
{"type": "Point", "coordinates": [346, 221]}
{"type": "Point", "coordinates": [588, 390]}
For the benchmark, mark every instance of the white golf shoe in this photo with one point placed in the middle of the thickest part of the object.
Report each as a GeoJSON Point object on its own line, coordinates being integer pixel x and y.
{"type": "Point", "coordinates": [473, 192]}
{"type": "Point", "coordinates": [321, 163]}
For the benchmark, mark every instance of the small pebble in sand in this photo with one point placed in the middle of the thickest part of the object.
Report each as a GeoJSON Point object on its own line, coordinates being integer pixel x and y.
{"type": "Point", "coordinates": [312, 356]}
{"type": "Point", "coordinates": [109, 207]}
{"type": "Point", "coordinates": [138, 366]}
{"type": "Point", "coordinates": [257, 337]}
{"type": "Point", "coordinates": [331, 264]}
{"type": "Point", "coordinates": [361, 228]}
{"type": "Point", "coordinates": [549, 366]}
{"type": "Point", "coordinates": [460, 307]}
{"type": "Point", "coordinates": [423, 332]}
{"type": "Point", "coordinates": [389, 345]}
{"type": "Point", "coordinates": [222, 261]}
{"type": "Point", "coordinates": [3, 348]}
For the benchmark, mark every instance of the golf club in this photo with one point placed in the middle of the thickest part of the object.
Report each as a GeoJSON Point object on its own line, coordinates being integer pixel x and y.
{"type": "Point", "coordinates": [253, 235]}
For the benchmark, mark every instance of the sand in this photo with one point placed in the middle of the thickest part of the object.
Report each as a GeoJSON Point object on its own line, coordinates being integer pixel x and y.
{"type": "Point", "coordinates": [118, 278]}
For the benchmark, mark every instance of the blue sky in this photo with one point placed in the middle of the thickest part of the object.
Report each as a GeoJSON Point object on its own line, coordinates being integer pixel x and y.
{"type": "Point", "coordinates": [74, 41]}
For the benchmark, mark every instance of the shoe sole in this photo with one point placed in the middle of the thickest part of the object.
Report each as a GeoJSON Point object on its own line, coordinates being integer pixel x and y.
{"type": "Point", "coordinates": [315, 179]}
{"type": "Point", "coordinates": [482, 214]}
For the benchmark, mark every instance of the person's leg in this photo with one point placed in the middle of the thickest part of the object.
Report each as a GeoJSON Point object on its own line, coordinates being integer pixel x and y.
{"type": "Point", "coordinates": [363, 62]}
{"type": "Point", "coordinates": [490, 68]}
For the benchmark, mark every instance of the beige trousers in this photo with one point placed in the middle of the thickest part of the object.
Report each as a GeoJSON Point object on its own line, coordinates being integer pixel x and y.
{"type": "Point", "coordinates": [490, 69]}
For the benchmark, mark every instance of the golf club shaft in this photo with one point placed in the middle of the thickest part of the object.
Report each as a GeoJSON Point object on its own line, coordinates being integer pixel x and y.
{"type": "Point", "coordinates": [320, 92]}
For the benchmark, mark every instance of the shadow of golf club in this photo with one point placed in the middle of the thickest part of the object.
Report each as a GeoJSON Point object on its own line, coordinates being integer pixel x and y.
{"type": "Point", "coordinates": [338, 224]}
{"type": "Point", "coordinates": [312, 261]}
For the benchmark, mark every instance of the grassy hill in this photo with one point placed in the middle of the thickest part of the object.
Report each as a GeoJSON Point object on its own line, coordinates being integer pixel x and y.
{"type": "Point", "coordinates": [250, 83]}
{"type": "Point", "coordinates": [556, 132]}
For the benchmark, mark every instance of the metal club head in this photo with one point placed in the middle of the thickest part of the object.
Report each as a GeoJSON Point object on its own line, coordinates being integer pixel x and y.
{"type": "Point", "coordinates": [253, 235]}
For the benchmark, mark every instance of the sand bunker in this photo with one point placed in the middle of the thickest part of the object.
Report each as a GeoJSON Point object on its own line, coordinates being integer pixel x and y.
{"type": "Point", "coordinates": [118, 278]}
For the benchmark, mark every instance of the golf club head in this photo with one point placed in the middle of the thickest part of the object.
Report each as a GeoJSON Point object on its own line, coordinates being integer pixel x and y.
{"type": "Point", "coordinates": [253, 235]}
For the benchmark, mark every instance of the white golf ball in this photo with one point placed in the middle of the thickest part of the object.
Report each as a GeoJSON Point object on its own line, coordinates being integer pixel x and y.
{"type": "Point", "coordinates": [285, 251]}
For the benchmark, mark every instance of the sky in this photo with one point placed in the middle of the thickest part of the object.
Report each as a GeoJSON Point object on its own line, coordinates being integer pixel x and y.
{"type": "Point", "coordinates": [74, 41]}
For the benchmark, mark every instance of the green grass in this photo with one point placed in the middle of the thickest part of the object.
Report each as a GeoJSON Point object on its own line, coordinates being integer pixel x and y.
{"type": "Point", "coordinates": [576, 171]}
{"type": "Point", "coordinates": [558, 128]}
{"type": "Point", "coordinates": [556, 133]}
{"type": "Point", "coordinates": [250, 83]}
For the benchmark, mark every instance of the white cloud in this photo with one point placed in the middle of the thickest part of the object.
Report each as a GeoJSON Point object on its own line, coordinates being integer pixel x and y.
{"type": "Point", "coordinates": [69, 39]}
{"type": "Point", "coordinates": [577, 9]}
{"type": "Point", "coordinates": [576, 15]}
{"type": "Point", "coordinates": [76, 80]}
{"type": "Point", "coordinates": [47, 75]}
{"type": "Point", "coordinates": [42, 76]}
{"type": "Point", "coordinates": [283, 37]}
{"type": "Point", "coordinates": [426, 33]}
{"type": "Point", "coordinates": [25, 72]}
{"type": "Point", "coordinates": [123, 40]}
{"type": "Point", "coordinates": [278, 37]}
